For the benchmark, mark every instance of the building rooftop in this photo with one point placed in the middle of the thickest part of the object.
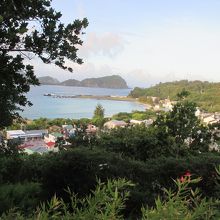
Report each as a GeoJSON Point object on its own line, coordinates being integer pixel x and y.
{"type": "Point", "coordinates": [68, 127]}
{"type": "Point", "coordinates": [36, 131]}
{"type": "Point", "coordinates": [57, 134]}
{"type": "Point", "coordinates": [116, 122]}
{"type": "Point", "coordinates": [15, 132]}
{"type": "Point", "coordinates": [24, 134]}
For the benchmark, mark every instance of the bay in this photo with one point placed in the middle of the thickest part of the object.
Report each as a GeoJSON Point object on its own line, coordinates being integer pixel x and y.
{"type": "Point", "coordinates": [75, 108]}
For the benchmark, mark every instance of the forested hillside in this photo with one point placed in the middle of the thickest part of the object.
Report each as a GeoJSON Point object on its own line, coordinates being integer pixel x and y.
{"type": "Point", "coordinates": [205, 94]}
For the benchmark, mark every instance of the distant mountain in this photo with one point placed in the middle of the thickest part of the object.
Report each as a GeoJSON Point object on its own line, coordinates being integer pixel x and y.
{"type": "Point", "coordinates": [70, 82]}
{"type": "Point", "coordinates": [111, 82]}
{"type": "Point", "coordinates": [47, 80]}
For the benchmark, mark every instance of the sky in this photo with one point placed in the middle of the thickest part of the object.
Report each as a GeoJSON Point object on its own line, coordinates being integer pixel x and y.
{"type": "Point", "coordinates": [144, 41]}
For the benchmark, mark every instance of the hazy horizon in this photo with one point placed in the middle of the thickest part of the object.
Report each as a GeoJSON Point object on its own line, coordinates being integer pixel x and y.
{"type": "Point", "coordinates": [147, 86]}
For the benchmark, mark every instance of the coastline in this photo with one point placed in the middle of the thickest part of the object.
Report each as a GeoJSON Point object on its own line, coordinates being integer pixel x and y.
{"type": "Point", "coordinates": [97, 97]}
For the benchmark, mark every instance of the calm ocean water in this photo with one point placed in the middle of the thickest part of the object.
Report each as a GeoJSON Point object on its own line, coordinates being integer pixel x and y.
{"type": "Point", "coordinates": [44, 106]}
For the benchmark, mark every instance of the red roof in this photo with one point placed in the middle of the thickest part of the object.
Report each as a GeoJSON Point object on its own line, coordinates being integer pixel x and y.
{"type": "Point", "coordinates": [50, 144]}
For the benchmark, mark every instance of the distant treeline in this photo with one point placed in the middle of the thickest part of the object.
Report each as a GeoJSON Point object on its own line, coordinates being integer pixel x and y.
{"type": "Point", "coordinates": [205, 94]}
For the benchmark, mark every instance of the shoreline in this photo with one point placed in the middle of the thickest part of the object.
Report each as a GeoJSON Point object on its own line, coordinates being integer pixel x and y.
{"type": "Point", "coordinates": [107, 97]}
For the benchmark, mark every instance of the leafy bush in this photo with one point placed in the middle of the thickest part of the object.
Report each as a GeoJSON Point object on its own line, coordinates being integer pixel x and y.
{"type": "Point", "coordinates": [105, 202]}
{"type": "Point", "coordinates": [138, 115]}
{"type": "Point", "coordinates": [23, 196]}
{"type": "Point", "coordinates": [78, 169]}
{"type": "Point", "coordinates": [183, 203]}
{"type": "Point", "coordinates": [139, 142]}
{"type": "Point", "coordinates": [108, 200]}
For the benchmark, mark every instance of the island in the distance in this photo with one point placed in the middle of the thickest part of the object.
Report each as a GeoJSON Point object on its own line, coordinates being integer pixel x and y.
{"type": "Point", "coordinates": [111, 82]}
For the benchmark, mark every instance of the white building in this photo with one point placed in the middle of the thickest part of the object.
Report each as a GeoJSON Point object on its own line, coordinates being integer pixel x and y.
{"type": "Point", "coordinates": [148, 122]}
{"type": "Point", "coordinates": [15, 134]}
{"type": "Point", "coordinates": [91, 129]}
{"type": "Point", "coordinates": [26, 135]}
{"type": "Point", "coordinates": [209, 118]}
{"type": "Point", "coordinates": [53, 137]}
{"type": "Point", "coordinates": [67, 127]}
{"type": "Point", "coordinates": [168, 106]}
{"type": "Point", "coordinates": [156, 107]}
{"type": "Point", "coordinates": [198, 112]}
{"type": "Point", "coordinates": [136, 122]}
{"type": "Point", "coordinates": [114, 124]}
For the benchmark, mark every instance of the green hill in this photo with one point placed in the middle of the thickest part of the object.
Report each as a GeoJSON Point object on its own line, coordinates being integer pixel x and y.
{"type": "Point", "coordinates": [48, 80]}
{"type": "Point", "coordinates": [205, 94]}
{"type": "Point", "coordinates": [70, 82]}
{"type": "Point", "coordinates": [113, 82]}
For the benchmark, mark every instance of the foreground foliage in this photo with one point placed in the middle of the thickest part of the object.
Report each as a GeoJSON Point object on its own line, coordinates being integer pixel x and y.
{"type": "Point", "coordinates": [184, 203]}
{"type": "Point", "coordinates": [105, 202]}
{"type": "Point", "coordinates": [79, 169]}
{"type": "Point", "coordinates": [108, 200]}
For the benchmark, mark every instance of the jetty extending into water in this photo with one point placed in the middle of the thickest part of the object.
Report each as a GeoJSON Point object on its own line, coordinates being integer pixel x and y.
{"type": "Point", "coordinates": [107, 97]}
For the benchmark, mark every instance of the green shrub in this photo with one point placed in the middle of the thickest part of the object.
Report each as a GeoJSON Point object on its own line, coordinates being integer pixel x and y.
{"type": "Point", "coordinates": [183, 203]}
{"type": "Point", "coordinates": [23, 196]}
{"type": "Point", "coordinates": [105, 202]}
{"type": "Point", "coordinates": [78, 169]}
{"type": "Point", "coordinates": [108, 201]}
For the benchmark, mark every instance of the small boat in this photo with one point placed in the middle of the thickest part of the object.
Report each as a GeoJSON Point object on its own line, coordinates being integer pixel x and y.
{"type": "Point", "coordinates": [49, 94]}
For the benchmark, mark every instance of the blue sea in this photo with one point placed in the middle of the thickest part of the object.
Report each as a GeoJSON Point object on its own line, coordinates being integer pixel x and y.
{"type": "Point", "coordinates": [75, 108]}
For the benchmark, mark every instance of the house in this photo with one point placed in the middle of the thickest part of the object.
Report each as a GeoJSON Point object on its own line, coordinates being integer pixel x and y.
{"type": "Point", "coordinates": [67, 127]}
{"type": "Point", "coordinates": [114, 124]}
{"type": "Point", "coordinates": [71, 133]}
{"type": "Point", "coordinates": [36, 149]}
{"type": "Point", "coordinates": [15, 134]}
{"type": "Point", "coordinates": [53, 137]}
{"type": "Point", "coordinates": [148, 122]}
{"type": "Point", "coordinates": [68, 130]}
{"type": "Point", "coordinates": [26, 135]}
{"type": "Point", "coordinates": [214, 146]}
{"type": "Point", "coordinates": [136, 122]}
{"type": "Point", "coordinates": [217, 116]}
{"type": "Point", "coordinates": [156, 107]}
{"type": "Point", "coordinates": [198, 112]}
{"type": "Point", "coordinates": [154, 99]}
{"type": "Point", "coordinates": [167, 105]}
{"type": "Point", "coordinates": [91, 129]}
{"type": "Point", "coordinates": [34, 146]}
{"type": "Point", "coordinates": [209, 119]}
{"type": "Point", "coordinates": [54, 128]}
{"type": "Point", "coordinates": [35, 134]}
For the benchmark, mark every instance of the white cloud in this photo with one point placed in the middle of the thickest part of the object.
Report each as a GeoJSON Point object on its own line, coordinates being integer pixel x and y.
{"type": "Point", "coordinates": [161, 54]}
{"type": "Point", "coordinates": [106, 44]}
